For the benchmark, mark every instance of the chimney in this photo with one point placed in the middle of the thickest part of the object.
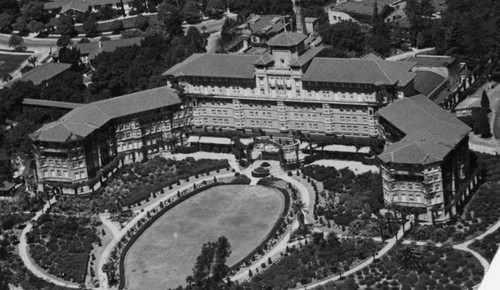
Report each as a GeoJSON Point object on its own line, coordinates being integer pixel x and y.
{"type": "Point", "coordinates": [300, 21]}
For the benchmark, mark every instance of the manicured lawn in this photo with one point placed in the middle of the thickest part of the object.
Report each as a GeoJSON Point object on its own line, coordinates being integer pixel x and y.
{"type": "Point", "coordinates": [165, 254]}
{"type": "Point", "coordinates": [9, 63]}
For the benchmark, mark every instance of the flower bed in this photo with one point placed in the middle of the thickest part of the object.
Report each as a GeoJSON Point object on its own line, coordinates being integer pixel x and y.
{"type": "Point", "coordinates": [135, 183]}
{"type": "Point", "coordinates": [313, 261]}
{"type": "Point", "coordinates": [61, 245]}
{"type": "Point", "coordinates": [260, 172]}
{"type": "Point", "coordinates": [411, 267]}
{"type": "Point", "coordinates": [487, 246]}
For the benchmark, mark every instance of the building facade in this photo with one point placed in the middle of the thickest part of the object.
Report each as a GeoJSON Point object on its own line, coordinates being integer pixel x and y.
{"type": "Point", "coordinates": [70, 152]}
{"type": "Point", "coordinates": [425, 165]}
{"type": "Point", "coordinates": [290, 89]}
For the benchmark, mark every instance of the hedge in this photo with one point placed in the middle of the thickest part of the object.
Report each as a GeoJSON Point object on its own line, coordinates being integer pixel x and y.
{"type": "Point", "coordinates": [271, 233]}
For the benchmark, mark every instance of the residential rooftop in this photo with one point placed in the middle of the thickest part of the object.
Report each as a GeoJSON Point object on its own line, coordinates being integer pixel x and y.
{"type": "Point", "coordinates": [265, 24]}
{"type": "Point", "coordinates": [79, 5]}
{"type": "Point", "coordinates": [287, 39]}
{"type": "Point", "coordinates": [431, 133]}
{"type": "Point", "coordinates": [92, 49]}
{"type": "Point", "coordinates": [43, 72]}
{"type": "Point", "coordinates": [83, 120]}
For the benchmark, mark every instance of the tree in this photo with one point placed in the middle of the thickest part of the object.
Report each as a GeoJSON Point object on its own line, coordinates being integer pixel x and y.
{"type": "Point", "coordinates": [345, 36]}
{"type": "Point", "coordinates": [191, 12]}
{"type": "Point", "coordinates": [116, 26]}
{"type": "Point", "coordinates": [481, 122]}
{"type": "Point", "coordinates": [410, 258]}
{"type": "Point", "coordinates": [17, 42]}
{"type": "Point", "coordinates": [195, 39]}
{"type": "Point", "coordinates": [226, 30]}
{"type": "Point", "coordinates": [170, 19]}
{"type": "Point", "coordinates": [90, 27]}
{"type": "Point", "coordinates": [297, 209]}
{"type": "Point", "coordinates": [64, 40]}
{"type": "Point", "coordinates": [485, 101]}
{"type": "Point", "coordinates": [10, 7]}
{"type": "Point", "coordinates": [210, 268]}
{"type": "Point", "coordinates": [66, 26]}
{"type": "Point", "coordinates": [131, 33]}
{"type": "Point", "coordinates": [32, 60]}
{"type": "Point", "coordinates": [5, 23]}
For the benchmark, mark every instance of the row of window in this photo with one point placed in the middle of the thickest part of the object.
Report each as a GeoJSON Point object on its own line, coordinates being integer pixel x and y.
{"type": "Point", "coordinates": [61, 163]}
{"type": "Point", "coordinates": [64, 174]}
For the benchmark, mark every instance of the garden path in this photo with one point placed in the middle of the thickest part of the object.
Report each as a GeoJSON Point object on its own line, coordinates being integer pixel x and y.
{"type": "Point", "coordinates": [23, 251]}
{"type": "Point", "coordinates": [273, 254]}
{"type": "Point", "coordinates": [390, 243]}
{"type": "Point", "coordinates": [103, 279]}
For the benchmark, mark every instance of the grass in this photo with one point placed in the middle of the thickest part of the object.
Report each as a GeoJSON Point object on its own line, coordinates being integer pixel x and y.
{"type": "Point", "coordinates": [9, 63]}
{"type": "Point", "coordinates": [165, 254]}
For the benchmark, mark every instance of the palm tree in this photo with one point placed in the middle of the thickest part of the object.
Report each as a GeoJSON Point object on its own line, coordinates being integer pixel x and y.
{"type": "Point", "coordinates": [32, 60]}
{"type": "Point", "coordinates": [410, 258]}
{"type": "Point", "coordinates": [297, 209]}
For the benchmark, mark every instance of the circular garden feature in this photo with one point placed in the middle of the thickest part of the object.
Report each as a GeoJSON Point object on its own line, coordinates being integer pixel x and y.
{"type": "Point", "coordinates": [164, 255]}
{"type": "Point", "coordinates": [260, 172]}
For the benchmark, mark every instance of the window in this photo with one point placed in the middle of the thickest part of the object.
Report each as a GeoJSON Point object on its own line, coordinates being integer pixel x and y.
{"type": "Point", "coordinates": [436, 187]}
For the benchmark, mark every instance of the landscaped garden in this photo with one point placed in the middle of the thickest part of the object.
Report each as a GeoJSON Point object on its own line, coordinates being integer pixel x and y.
{"type": "Point", "coordinates": [61, 245]}
{"type": "Point", "coordinates": [163, 255]}
{"type": "Point", "coordinates": [480, 213]}
{"type": "Point", "coordinates": [314, 260]}
{"type": "Point", "coordinates": [487, 246]}
{"type": "Point", "coordinates": [349, 200]}
{"type": "Point", "coordinates": [412, 267]}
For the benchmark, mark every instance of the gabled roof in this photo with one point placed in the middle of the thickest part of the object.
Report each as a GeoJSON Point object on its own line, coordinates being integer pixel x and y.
{"type": "Point", "coordinates": [431, 132]}
{"type": "Point", "coordinates": [79, 5]}
{"type": "Point", "coordinates": [43, 72]}
{"type": "Point", "coordinates": [361, 71]}
{"type": "Point", "coordinates": [286, 39]}
{"type": "Point", "coordinates": [364, 7]}
{"type": "Point", "coordinates": [267, 24]}
{"type": "Point", "coordinates": [426, 82]}
{"type": "Point", "coordinates": [50, 104]}
{"type": "Point", "coordinates": [216, 65]}
{"type": "Point", "coordinates": [82, 121]}
{"type": "Point", "coordinates": [92, 49]}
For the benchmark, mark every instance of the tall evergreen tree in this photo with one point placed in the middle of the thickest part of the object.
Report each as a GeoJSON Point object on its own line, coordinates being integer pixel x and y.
{"type": "Point", "coordinates": [485, 101]}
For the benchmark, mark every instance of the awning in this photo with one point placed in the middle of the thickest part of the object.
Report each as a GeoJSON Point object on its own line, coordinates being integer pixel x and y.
{"type": "Point", "coordinates": [193, 139]}
{"type": "Point", "coordinates": [340, 148]}
{"type": "Point", "coordinates": [215, 140]}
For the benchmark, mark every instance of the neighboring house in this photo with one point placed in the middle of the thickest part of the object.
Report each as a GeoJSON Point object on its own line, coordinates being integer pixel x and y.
{"type": "Point", "coordinates": [88, 51]}
{"type": "Point", "coordinates": [425, 165]}
{"type": "Point", "coordinates": [362, 10]}
{"type": "Point", "coordinates": [70, 151]}
{"type": "Point", "coordinates": [43, 74]}
{"type": "Point", "coordinates": [256, 30]}
{"type": "Point", "coordinates": [466, 107]}
{"type": "Point", "coordinates": [6, 188]}
{"type": "Point", "coordinates": [456, 74]}
{"type": "Point", "coordinates": [73, 7]}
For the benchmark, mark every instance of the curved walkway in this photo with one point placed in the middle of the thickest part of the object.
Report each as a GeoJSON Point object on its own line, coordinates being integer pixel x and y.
{"type": "Point", "coordinates": [390, 243]}
{"type": "Point", "coordinates": [23, 251]}
{"type": "Point", "coordinates": [118, 234]}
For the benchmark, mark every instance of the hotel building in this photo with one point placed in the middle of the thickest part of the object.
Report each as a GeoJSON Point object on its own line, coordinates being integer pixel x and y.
{"type": "Point", "coordinates": [426, 160]}
{"type": "Point", "coordinates": [71, 150]}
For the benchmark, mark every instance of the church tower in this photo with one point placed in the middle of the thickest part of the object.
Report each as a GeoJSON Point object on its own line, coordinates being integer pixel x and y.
{"type": "Point", "coordinates": [300, 21]}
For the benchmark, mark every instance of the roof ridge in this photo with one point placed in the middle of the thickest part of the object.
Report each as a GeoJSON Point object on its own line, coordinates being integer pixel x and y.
{"type": "Point", "coordinates": [378, 65]}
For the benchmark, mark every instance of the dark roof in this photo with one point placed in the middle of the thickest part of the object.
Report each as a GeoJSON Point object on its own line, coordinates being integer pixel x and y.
{"type": "Point", "coordinates": [43, 72]}
{"type": "Point", "coordinates": [362, 71]}
{"type": "Point", "coordinates": [427, 82]}
{"type": "Point", "coordinates": [83, 120]}
{"type": "Point", "coordinates": [286, 39]}
{"type": "Point", "coordinates": [92, 49]}
{"type": "Point", "coordinates": [432, 61]}
{"type": "Point", "coordinates": [266, 24]}
{"type": "Point", "coordinates": [364, 7]}
{"type": "Point", "coordinates": [79, 5]}
{"type": "Point", "coordinates": [6, 186]}
{"type": "Point", "coordinates": [430, 132]}
{"type": "Point", "coordinates": [50, 104]}
{"type": "Point", "coordinates": [216, 65]}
